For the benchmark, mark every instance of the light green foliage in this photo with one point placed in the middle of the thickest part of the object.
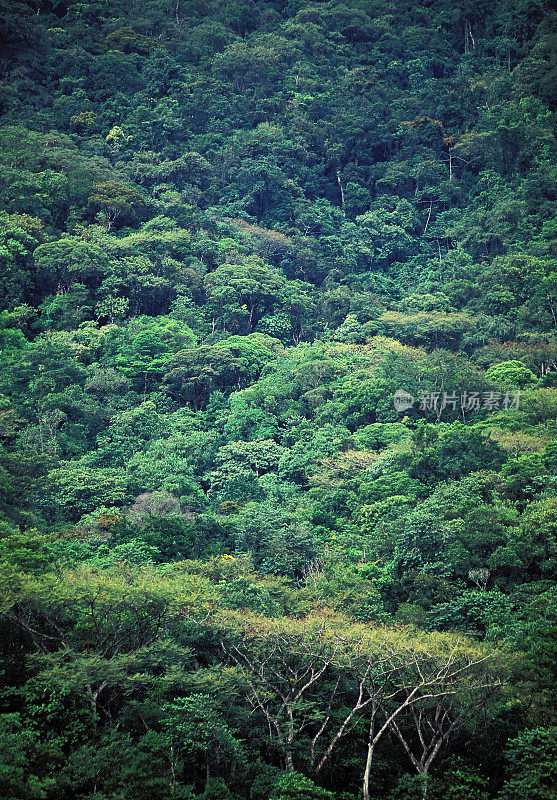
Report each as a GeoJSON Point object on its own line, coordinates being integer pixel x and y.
{"type": "Point", "coordinates": [294, 786]}
{"type": "Point", "coordinates": [114, 308]}
{"type": "Point", "coordinates": [79, 489]}
{"type": "Point", "coordinates": [511, 373]}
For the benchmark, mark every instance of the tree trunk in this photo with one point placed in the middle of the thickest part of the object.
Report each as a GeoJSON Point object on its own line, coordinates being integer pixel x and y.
{"type": "Point", "coordinates": [369, 759]}
{"type": "Point", "coordinates": [340, 189]}
{"type": "Point", "coordinates": [93, 697]}
{"type": "Point", "coordinates": [428, 218]}
{"type": "Point", "coordinates": [424, 786]}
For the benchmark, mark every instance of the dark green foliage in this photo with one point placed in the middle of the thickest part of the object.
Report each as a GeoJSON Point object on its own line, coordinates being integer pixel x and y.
{"type": "Point", "coordinates": [532, 757]}
{"type": "Point", "coordinates": [230, 232]}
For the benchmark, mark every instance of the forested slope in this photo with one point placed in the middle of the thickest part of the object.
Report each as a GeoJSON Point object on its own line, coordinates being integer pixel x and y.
{"type": "Point", "coordinates": [278, 400]}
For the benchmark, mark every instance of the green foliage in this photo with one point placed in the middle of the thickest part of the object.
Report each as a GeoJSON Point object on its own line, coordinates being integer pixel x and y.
{"type": "Point", "coordinates": [63, 262]}
{"type": "Point", "coordinates": [19, 236]}
{"type": "Point", "coordinates": [18, 748]}
{"type": "Point", "coordinates": [459, 451]}
{"type": "Point", "coordinates": [511, 373]}
{"type": "Point", "coordinates": [293, 786]}
{"type": "Point", "coordinates": [230, 232]}
{"type": "Point", "coordinates": [196, 728]}
{"type": "Point", "coordinates": [116, 202]}
{"type": "Point", "coordinates": [532, 757]}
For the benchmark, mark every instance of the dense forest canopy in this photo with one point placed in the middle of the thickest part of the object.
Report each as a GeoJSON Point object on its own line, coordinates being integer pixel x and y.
{"type": "Point", "coordinates": [278, 400]}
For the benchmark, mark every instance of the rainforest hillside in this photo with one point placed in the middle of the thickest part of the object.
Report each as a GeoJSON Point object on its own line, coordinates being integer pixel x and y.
{"type": "Point", "coordinates": [278, 404]}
